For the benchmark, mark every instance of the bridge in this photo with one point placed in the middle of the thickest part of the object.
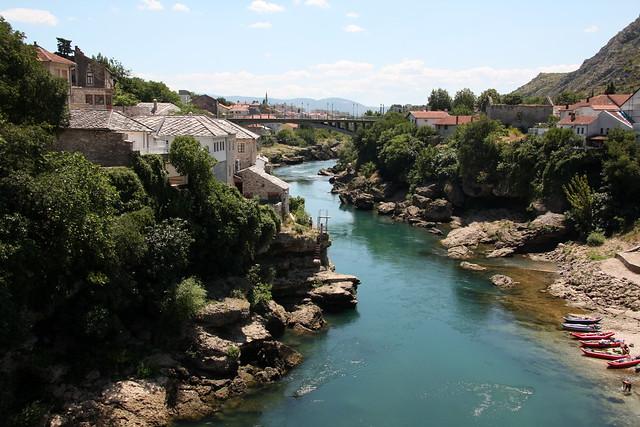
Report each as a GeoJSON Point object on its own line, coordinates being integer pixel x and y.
{"type": "Point", "coordinates": [343, 125]}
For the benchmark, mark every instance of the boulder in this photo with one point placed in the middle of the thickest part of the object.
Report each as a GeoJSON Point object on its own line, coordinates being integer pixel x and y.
{"type": "Point", "coordinates": [335, 296]}
{"type": "Point", "coordinates": [226, 312]}
{"type": "Point", "coordinates": [471, 266]}
{"type": "Point", "coordinates": [429, 191]}
{"type": "Point", "coordinates": [502, 281]}
{"type": "Point", "coordinates": [386, 208]}
{"type": "Point", "coordinates": [280, 356]}
{"type": "Point", "coordinates": [439, 210]}
{"type": "Point", "coordinates": [412, 212]}
{"type": "Point", "coordinates": [134, 403]}
{"type": "Point", "coordinates": [420, 201]}
{"type": "Point", "coordinates": [213, 354]}
{"type": "Point", "coordinates": [309, 316]}
{"type": "Point", "coordinates": [459, 252]}
{"type": "Point", "coordinates": [325, 172]}
{"type": "Point", "coordinates": [500, 253]}
{"type": "Point", "coordinates": [454, 194]}
{"type": "Point", "coordinates": [275, 317]}
{"type": "Point", "coordinates": [363, 201]}
{"type": "Point", "coordinates": [471, 235]}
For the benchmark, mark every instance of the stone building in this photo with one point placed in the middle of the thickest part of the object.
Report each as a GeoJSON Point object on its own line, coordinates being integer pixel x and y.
{"type": "Point", "coordinates": [92, 83]}
{"type": "Point", "coordinates": [520, 116]}
{"type": "Point", "coordinates": [255, 182]}
{"type": "Point", "coordinates": [212, 105]}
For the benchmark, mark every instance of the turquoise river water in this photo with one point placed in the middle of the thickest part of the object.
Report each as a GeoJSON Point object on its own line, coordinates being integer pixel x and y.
{"type": "Point", "coordinates": [429, 343]}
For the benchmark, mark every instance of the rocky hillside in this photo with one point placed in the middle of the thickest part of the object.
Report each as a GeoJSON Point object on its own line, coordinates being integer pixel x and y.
{"type": "Point", "coordinates": [618, 62]}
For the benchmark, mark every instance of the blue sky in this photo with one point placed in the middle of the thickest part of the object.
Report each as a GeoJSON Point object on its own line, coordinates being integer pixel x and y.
{"type": "Point", "coordinates": [371, 51]}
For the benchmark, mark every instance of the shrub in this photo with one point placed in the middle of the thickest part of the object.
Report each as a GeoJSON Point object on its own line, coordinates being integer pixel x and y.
{"type": "Point", "coordinates": [260, 293]}
{"type": "Point", "coordinates": [190, 297]}
{"type": "Point", "coordinates": [595, 239]}
{"type": "Point", "coordinates": [233, 352]}
{"type": "Point", "coordinates": [297, 208]}
{"type": "Point", "coordinates": [368, 169]}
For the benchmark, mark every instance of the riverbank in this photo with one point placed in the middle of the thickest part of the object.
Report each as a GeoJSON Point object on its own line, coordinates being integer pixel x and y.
{"type": "Point", "coordinates": [231, 348]}
{"type": "Point", "coordinates": [280, 154]}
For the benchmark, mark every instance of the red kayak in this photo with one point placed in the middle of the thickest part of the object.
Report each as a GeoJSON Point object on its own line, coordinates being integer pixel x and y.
{"type": "Point", "coordinates": [626, 362]}
{"type": "Point", "coordinates": [606, 343]}
{"type": "Point", "coordinates": [592, 335]}
{"type": "Point", "coordinates": [608, 354]}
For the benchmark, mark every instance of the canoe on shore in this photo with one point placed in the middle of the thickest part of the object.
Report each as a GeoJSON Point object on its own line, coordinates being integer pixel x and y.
{"type": "Point", "coordinates": [583, 320]}
{"type": "Point", "coordinates": [602, 343]}
{"type": "Point", "coordinates": [608, 354]}
{"type": "Point", "coordinates": [580, 328]}
{"type": "Point", "coordinates": [592, 335]}
{"type": "Point", "coordinates": [626, 362]}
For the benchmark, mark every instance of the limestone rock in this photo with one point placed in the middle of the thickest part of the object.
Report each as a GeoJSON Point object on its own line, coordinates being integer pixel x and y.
{"type": "Point", "coordinates": [335, 296]}
{"type": "Point", "coordinates": [454, 194]}
{"type": "Point", "coordinates": [439, 210]}
{"type": "Point", "coordinates": [218, 314]}
{"type": "Point", "coordinates": [459, 252]}
{"type": "Point", "coordinates": [502, 281]}
{"type": "Point", "coordinates": [134, 403]}
{"type": "Point", "coordinates": [212, 353]}
{"type": "Point", "coordinates": [429, 191]}
{"type": "Point", "coordinates": [420, 201]}
{"type": "Point", "coordinates": [275, 317]}
{"type": "Point", "coordinates": [500, 253]}
{"type": "Point", "coordinates": [363, 201]}
{"type": "Point", "coordinates": [412, 212]}
{"type": "Point", "coordinates": [386, 208]}
{"type": "Point", "coordinates": [308, 316]}
{"type": "Point", "coordinates": [471, 266]}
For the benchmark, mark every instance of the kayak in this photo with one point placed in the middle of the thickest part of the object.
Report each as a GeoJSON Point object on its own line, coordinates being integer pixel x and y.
{"type": "Point", "coordinates": [626, 362]}
{"type": "Point", "coordinates": [603, 343]}
{"type": "Point", "coordinates": [609, 353]}
{"type": "Point", "coordinates": [580, 328]}
{"type": "Point", "coordinates": [584, 320]}
{"type": "Point", "coordinates": [592, 335]}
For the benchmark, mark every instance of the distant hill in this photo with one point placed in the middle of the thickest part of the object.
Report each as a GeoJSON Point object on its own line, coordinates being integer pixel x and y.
{"type": "Point", "coordinates": [618, 62]}
{"type": "Point", "coordinates": [339, 104]}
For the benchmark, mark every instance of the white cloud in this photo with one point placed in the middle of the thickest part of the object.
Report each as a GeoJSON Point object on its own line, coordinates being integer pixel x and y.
{"type": "Point", "coordinates": [408, 81]}
{"type": "Point", "coordinates": [262, 6]}
{"type": "Point", "coordinates": [591, 29]}
{"type": "Point", "coordinates": [181, 7]}
{"type": "Point", "coordinates": [261, 25]}
{"type": "Point", "coordinates": [317, 3]}
{"type": "Point", "coordinates": [353, 15]}
{"type": "Point", "coordinates": [30, 16]}
{"type": "Point", "coordinates": [154, 5]}
{"type": "Point", "coordinates": [353, 28]}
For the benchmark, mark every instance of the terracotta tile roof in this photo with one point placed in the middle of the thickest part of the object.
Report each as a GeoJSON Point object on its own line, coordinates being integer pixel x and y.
{"type": "Point", "coordinates": [608, 107]}
{"type": "Point", "coordinates": [429, 114]}
{"type": "Point", "coordinates": [615, 100]}
{"type": "Point", "coordinates": [45, 56]}
{"type": "Point", "coordinates": [579, 120]}
{"type": "Point", "coordinates": [454, 120]}
{"type": "Point", "coordinates": [620, 99]}
{"type": "Point", "coordinates": [105, 119]}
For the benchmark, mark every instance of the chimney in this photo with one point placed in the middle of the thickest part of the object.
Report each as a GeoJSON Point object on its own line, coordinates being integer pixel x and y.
{"type": "Point", "coordinates": [155, 106]}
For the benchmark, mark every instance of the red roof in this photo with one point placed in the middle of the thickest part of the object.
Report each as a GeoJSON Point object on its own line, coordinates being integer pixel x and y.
{"type": "Point", "coordinates": [579, 120]}
{"type": "Point", "coordinates": [614, 100]}
{"type": "Point", "coordinates": [454, 120]}
{"type": "Point", "coordinates": [429, 114]}
{"type": "Point", "coordinates": [45, 56]}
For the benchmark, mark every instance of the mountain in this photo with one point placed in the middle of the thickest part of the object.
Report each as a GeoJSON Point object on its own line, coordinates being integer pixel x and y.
{"type": "Point", "coordinates": [339, 104]}
{"type": "Point", "coordinates": [618, 62]}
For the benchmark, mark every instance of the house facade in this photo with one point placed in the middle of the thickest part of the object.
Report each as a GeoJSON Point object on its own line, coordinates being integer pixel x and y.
{"type": "Point", "coordinates": [426, 118]}
{"type": "Point", "coordinates": [594, 128]}
{"type": "Point", "coordinates": [56, 65]}
{"type": "Point", "coordinates": [92, 84]}
{"type": "Point", "coordinates": [255, 182]}
{"type": "Point", "coordinates": [448, 125]}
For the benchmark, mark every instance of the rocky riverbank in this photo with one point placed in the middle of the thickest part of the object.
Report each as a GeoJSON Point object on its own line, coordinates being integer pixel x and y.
{"type": "Point", "coordinates": [280, 154]}
{"type": "Point", "coordinates": [229, 349]}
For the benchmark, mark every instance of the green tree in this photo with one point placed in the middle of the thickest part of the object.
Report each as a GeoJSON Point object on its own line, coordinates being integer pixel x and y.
{"type": "Point", "coordinates": [28, 93]}
{"type": "Point", "coordinates": [610, 89]}
{"type": "Point", "coordinates": [478, 150]}
{"type": "Point", "coordinates": [487, 97]}
{"type": "Point", "coordinates": [621, 172]}
{"type": "Point", "coordinates": [464, 102]}
{"type": "Point", "coordinates": [512, 99]}
{"type": "Point", "coordinates": [568, 97]}
{"type": "Point", "coordinates": [439, 100]}
{"type": "Point", "coordinates": [64, 48]}
{"type": "Point", "coordinates": [582, 200]}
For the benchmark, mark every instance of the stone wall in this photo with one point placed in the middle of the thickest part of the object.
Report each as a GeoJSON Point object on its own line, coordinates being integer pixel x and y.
{"type": "Point", "coordinates": [103, 147]}
{"type": "Point", "coordinates": [520, 116]}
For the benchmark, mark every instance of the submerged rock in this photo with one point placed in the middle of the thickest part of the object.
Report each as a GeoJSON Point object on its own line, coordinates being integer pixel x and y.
{"type": "Point", "coordinates": [471, 266]}
{"type": "Point", "coordinates": [502, 281]}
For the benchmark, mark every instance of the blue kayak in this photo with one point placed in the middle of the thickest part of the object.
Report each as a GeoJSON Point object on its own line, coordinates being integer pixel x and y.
{"type": "Point", "coordinates": [580, 327]}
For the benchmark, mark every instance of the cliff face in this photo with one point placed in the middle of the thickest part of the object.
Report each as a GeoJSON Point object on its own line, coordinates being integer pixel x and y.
{"type": "Point", "coordinates": [618, 62]}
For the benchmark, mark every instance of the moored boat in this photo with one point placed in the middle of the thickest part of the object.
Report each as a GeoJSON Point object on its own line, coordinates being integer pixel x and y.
{"type": "Point", "coordinates": [580, 328]}
{"type": "Point", "coordinates": [602, 343]}
{"type": "Point", "coordinates": [607, 353]}
{"type": "Point", "coordinates": [584, 320]}
{"type": "Point", "coordinates": [592, 335]}
{"type": "Point", "coordinates": [626, 362]}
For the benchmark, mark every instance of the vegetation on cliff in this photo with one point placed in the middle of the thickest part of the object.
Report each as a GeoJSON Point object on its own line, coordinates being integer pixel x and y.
{"type": "Point", "coordinates": [95, 260]}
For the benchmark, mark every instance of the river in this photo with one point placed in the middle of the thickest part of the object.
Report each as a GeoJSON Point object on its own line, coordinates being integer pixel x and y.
{"type": "Point", "coordinates": [429, 343]}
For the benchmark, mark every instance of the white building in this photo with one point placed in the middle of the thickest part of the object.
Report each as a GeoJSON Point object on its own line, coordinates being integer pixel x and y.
{"type": "Point", "coordinates": [426, 118]}
{"type": "Point", "coordinates": [594, 129]}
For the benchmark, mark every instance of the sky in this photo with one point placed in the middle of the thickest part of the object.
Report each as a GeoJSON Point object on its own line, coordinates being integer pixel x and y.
{"type": "Point", "coordinates": [371, 51]}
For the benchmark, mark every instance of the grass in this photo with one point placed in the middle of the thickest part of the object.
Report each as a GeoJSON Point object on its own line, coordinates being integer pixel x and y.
{"type": "Point", "coordinates": [596, 256]}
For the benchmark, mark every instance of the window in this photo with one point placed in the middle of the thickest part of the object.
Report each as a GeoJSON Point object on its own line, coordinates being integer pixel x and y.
{"type": "Point", "coordinates": [99, 99]}
{"type": "Point", "coordinates": [108, 99]}
{"type": "Point", "coordinates": [601, 131]}
{"type": "Point", "coordinates": [222, 145]}
{"type": "Point", "coordinates": [241, 147]}
{"type": "Point", "coordinates": [88, 99]}
{"type": "Point", "coordinates": [89, 78]}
